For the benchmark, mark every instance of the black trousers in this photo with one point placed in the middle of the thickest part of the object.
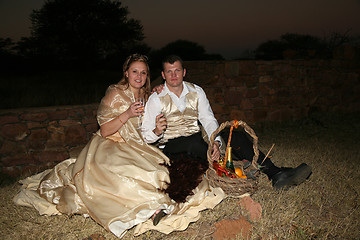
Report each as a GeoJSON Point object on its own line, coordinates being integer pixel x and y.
{"type": "Point", "coordinates": [242, 148]}
{"type": "Point", "coordinates": [192, 145]}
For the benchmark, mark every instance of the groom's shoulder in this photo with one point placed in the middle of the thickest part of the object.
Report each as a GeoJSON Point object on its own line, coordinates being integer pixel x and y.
{"type": "Point", "coordinates": [192, 86]}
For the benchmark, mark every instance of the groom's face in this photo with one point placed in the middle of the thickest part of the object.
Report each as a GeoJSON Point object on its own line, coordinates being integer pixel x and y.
{"type": "Point", "coordinates": [173, 74]}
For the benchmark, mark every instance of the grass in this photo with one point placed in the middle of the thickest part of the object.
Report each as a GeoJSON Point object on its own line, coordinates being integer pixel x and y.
{"type": "Point", "coordinates": [324, 207]}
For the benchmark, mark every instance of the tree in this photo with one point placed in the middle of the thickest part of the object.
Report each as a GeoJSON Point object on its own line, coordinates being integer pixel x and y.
{"type": "Point", "coordinates": [270, 50]}
{"type": "Point", "coordinates": [82, 32]}
{"type": "Point", "coordinates": [6, 46]}
{"type": "Point", "coordinates": [300, 46]}
{"type": "Point", "coordinates": [9, 60]}
{"type": "Point", "coordinates": [187, 50]}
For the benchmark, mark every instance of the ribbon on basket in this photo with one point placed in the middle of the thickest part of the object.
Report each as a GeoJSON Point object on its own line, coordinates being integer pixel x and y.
{"type": "Point", "coordinates": [225, 167]}
{"type": "Point", "coordinates": [235, 124]}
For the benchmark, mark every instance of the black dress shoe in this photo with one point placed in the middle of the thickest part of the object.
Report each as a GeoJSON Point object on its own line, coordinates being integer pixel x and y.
{"type": "Point", "coordinates": [288, 177]}
{"type": "Point", "coordinates": [158, 217]}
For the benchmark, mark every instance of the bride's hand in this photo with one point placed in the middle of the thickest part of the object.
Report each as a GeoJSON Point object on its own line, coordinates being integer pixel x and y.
{"type": "Point", "coordinates": [135, 109]}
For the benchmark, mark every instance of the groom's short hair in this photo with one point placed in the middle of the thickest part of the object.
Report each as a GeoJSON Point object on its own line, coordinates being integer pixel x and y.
{"type": "Point", "coordinates": [171, 59]}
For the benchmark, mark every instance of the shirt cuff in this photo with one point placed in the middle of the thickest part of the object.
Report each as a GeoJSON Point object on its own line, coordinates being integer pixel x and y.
{"type": "Point", "coordinates": [218, 138]}
{"type": "Point", "coordinates": [156, 137]}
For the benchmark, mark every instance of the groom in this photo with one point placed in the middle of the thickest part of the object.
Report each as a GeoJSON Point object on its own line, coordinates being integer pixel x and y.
{"type": "Point", "coordinates": [171, 120]}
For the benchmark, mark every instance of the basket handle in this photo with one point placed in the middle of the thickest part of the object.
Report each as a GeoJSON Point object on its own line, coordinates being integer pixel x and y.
{"type": "Point", "coordinates": [247, 129]}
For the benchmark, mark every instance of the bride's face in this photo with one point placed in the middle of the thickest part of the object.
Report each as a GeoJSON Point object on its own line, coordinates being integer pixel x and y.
{"type": "Point", "coordinates": [137, 74]}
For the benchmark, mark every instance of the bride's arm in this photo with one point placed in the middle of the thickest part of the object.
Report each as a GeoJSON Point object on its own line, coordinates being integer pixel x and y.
{"type": "Point", "coordinates": [111, 114]}
{"type": "Point", "coordinates": [114, 125]}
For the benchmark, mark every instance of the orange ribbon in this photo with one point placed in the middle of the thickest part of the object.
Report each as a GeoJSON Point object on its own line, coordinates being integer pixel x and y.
{"type": "Point", "coordinates": [236, 125]}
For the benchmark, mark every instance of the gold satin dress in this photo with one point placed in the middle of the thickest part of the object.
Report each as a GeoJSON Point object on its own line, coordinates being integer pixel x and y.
{"type": "Point", "coordinates": [117, 180]}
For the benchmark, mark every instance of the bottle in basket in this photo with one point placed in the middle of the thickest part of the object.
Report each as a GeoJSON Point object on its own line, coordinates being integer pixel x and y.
{"type": "Point", "coordinates": [229, 163]}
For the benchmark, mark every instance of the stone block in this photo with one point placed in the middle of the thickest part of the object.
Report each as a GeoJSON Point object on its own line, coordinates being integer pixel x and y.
{"type": "Point", "coordinates": [53, 127]}
{"type": "Point", "coordinates": [10, 147]}
{"type": "Point", "coordinates": [69, 122]}
{"type": "Point", "coordinates": [11, 171]}
{"type": "Point", "coordinates": [238, 115]}
{"type": "Point", "coordinates": [37, 139]}
{"type": "Point", "coordinates": [92, 128]}
{"type": "Point", "coordinates": [222, 117]}
{"type": "Point", "coordinates": [8, 119]}
{"type": "Point", "coordinates": [265, 89]}
{"type": "Point", "coordinates": [246, 104]}
{"type": "Point", "coordinates": [75, 135]}
{"type": "Point", "coordinates": [233, 97]}
{"type": "Point", "coordinates": [252, 208]}
{"type": "Point", "coordinates": [32, 125]}
{"type": "Point", "coordinates": [258, 102]}
{"type": "Point", "coordinates": [274, 115]}
{"type": "Point", "coordinates": [247, 67]}
{"type": "Point", "coordinates": [287, 114]}
{"type": "Point", "coordinates": [54, 145]}
{"type": "Point", "coordinates": [16, 131]}
{"type": "Point", "coordinates": [265, 79]}
{"type": "Point", "coordinates": [90, 112]}
{"type": "Point", "coordinates": [265, 67]}
{"type": "Point", "coordinates": [38, 135]}
{"type": "Point", "coordinates": [17, 160]}
{"type": "Point", "coordinates": [220, 109]}
{"type": "Point", "coordinates": [241, 82]}
{"type": "Point", "coordinates": [215, 96]}
{"type": "Point", "coordinates": [56, 115]}
{"type": "Point", "coordinates": [75, 151]}
{"type": "Point", "coordinates": [232, 69]}
{"type": "Point", "coordinates": [76, 113]}
{"type": "Point", "coordinates": [260, 114]}
{"type": "Point", "coordinates": [51, 156]}
{"type": "Point", "coordinates": [233, 229]}
{"type": "Point", "coordinates": [270, 101]}
{"type": "Point", "coordinates": [36, 117]}
{"type": "Point", "coordinates": [251, 81]}
{"type": "Point", "coordinates": [89, 120]}
{"type": "Point", "coordinates": [252, 93]}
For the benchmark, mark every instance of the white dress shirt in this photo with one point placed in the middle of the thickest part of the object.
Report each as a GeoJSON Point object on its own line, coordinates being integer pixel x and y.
{"type": "Point", "coordinates": [153, 108]}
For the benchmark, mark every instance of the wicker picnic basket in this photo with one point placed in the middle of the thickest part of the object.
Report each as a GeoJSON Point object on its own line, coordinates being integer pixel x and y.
{"type": "Point", "coordinates": [234, 187]}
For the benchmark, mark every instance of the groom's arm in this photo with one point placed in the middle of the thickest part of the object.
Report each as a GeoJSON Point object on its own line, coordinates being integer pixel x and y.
{"type": "Point", "coordinates": [152, 109]}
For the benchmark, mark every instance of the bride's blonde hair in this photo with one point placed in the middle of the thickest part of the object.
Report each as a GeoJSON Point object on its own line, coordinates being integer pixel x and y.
{"type": "Point", "coordinates": [137, 58]}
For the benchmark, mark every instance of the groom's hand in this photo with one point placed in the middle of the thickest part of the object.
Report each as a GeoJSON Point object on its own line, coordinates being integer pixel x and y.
{"type": "Point", "coordinates": [161, 124]}
{"type": "Point", "coordinates": [158, 89]}
{"type": "Point", "coordinates": [215, 155]}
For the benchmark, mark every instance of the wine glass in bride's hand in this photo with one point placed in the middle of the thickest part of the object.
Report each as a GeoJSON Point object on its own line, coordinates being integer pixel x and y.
{"type": "Point", "coordinates": [141, 107]}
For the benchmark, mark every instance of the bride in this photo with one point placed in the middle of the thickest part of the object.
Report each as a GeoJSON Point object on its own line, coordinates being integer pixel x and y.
{"type": "Point", "coordinates": [117, 179]}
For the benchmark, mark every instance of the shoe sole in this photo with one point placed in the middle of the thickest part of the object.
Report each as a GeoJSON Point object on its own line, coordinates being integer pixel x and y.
{"type": "Point", "coordinates": [303, 172]}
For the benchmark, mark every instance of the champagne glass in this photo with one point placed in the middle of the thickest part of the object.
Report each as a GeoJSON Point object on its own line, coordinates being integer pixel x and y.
{"type": "Point", "coordinates": [141, 107]}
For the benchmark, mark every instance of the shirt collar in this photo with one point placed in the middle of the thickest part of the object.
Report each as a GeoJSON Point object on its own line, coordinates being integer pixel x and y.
{"type": "Point", "coordinates": [166, 90]}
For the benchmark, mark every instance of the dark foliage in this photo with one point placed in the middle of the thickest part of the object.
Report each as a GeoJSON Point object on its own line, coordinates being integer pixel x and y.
{"type": "Point", "coordinates": [185, 175]}
{"type": "Point", "coordinates": [300, 46]}
{"type": "Point", "coordinates": [82, 33]}
{"type": "Point", "coordinates": [187, 50]}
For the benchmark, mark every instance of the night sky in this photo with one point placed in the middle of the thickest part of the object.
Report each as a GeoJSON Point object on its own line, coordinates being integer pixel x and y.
{"type": "Point", "coordinates": [226, 27]}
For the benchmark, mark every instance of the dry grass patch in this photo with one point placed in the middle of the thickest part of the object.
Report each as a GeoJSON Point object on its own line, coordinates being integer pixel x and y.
{"type": "Point", "coordinates": [325, 207]}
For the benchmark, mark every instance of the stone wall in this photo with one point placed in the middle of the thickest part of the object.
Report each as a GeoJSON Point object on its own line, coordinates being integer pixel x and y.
{"type": "Point", "coordinates": [255, 91]}
{"type": "Point", "coordinates": [35, 139]}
